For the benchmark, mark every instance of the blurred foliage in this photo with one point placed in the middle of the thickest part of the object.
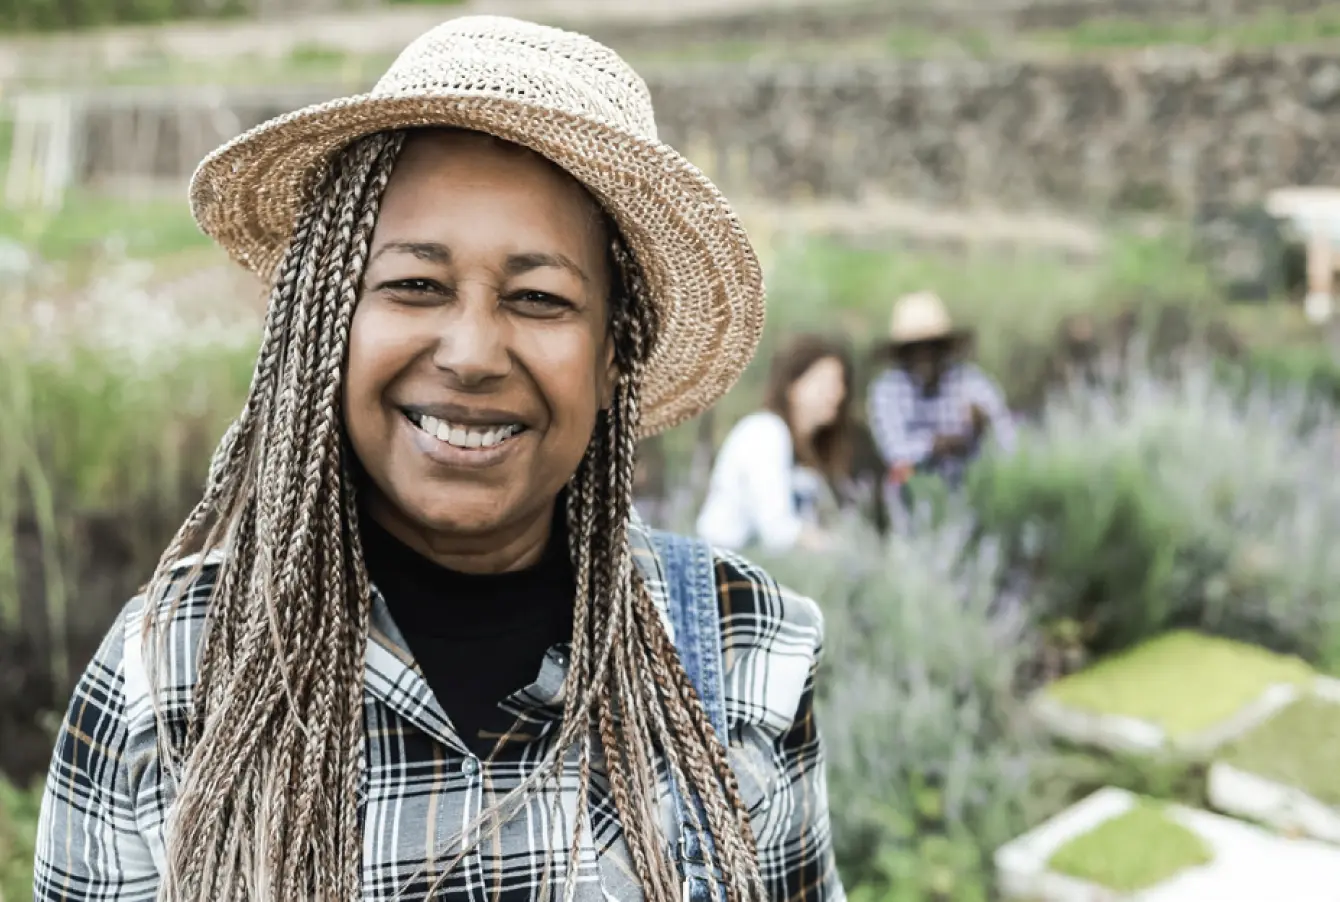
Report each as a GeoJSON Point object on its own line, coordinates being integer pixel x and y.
{"type": "Point", "coordinates": [87, 223]}
{"type": "Point", "coordinates": [54, 15]}
{"type": "Point", "coordinates": [931, 759]}
{"type": "Point", "coordinates": [1156, 501]}
{"type": "Point", "coordinates": [18, 828]}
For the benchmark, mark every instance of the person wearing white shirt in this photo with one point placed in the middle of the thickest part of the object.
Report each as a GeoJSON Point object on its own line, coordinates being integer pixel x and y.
{"type": "Point", "coordinates": [776, 472]}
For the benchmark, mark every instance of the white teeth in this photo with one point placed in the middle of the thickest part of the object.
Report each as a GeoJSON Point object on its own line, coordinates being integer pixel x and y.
{"type": "Point", "coordinates": [465, 436]}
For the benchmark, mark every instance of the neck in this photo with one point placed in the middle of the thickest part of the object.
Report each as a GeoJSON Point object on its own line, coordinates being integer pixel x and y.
{"type": "Point", "coordinates": [513, 546]}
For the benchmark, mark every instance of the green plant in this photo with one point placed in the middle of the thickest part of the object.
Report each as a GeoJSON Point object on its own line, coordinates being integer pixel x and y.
{"type": "Point", "coordinates": [1162, 497]}
{"type": "Point", "coordinates": [108, 412]}
{"type": "Point", "coordinates": [18, 829]}
{"type": "Point", "coordinates": [1132, 851]}
{"type": "Point", "coordinates": [88, 224]}
{"type": "Point", "coordinates": [1296, 747]}
{"type": "Point", "coordinates": [931, 761]}
{"type": "Point", "coordinates": [1088, 531]}
{"type": "Point", "coordinates": [1181, 681]}
{"type": "Point", "coordinates": [46, 15]}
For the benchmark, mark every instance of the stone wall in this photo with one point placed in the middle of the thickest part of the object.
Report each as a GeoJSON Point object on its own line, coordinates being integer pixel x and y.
{"type": "Point", "coordinates": [833, 22]}
{"type": "Point", "coordinates": [1157, 131]}
{"type": "Point", "coordinates": [1165, 131]}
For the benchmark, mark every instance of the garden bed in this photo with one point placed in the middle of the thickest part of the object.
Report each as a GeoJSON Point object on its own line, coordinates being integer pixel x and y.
{"type": "Point", "coordinates": [1132, 851]}
{"type": "Point", "coordinates": [1283, 773]}
{"type": "Point", "coordinates": [1160, 854]}
{"type": "Point", "coordinates": [1179, 692]}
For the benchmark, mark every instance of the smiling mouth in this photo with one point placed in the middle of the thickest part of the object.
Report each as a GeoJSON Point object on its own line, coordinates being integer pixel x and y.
{"type": "Point", "coordinates": [462, 436]}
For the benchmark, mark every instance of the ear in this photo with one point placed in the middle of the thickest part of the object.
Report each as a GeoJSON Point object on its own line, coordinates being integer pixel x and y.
{"type": "Point", "coordinates": [612, 375]}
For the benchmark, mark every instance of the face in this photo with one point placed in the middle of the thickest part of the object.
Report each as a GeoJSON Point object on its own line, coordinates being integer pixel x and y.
{"type": "Point", "coordinates": [817, 395]}
{"type": "Point", "coordinates": [479, 356]}
{"type": "Point", "coordinates": [926, 360]}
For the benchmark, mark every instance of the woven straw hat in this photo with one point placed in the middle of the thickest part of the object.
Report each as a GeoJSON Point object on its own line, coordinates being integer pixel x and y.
{"type": "Point", "coordinates": [571, 100]}
{"type": "Point", "coordinates": [921, 316]}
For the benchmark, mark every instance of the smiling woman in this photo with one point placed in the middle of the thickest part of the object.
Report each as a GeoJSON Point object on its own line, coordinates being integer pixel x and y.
{"type": "Point", "coordinates": [479, 355]}
{"type": "Point", "coordinates": [426, 649]}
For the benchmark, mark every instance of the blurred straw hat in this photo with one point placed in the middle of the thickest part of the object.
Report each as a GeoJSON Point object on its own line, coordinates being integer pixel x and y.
{"type": "Point", "coordinates": [571, 100]}
{"type": "Point", "coordinates": [921, 316]}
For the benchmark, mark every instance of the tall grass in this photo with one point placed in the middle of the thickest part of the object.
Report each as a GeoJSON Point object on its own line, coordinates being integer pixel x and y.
{"type": "Point", "coordinates": [109, 406]}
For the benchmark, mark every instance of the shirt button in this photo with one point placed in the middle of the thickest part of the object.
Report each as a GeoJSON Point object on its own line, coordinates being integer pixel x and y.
{"type": "Point", "coordinates": [470, 766]}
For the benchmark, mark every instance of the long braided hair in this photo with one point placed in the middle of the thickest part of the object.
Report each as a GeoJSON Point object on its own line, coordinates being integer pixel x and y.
{"type": "Point", "coordinates": [268, 765]}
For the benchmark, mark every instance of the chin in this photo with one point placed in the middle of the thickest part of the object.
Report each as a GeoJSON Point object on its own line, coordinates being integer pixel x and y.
{"type": "Point", "coordinates": [462, 511]}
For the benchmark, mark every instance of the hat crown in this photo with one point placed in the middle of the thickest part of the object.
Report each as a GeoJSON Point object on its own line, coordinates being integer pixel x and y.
{"type": "Point", "coordinates": [510, 59]}
{"type": "Point", "coordinates": [919, 316]}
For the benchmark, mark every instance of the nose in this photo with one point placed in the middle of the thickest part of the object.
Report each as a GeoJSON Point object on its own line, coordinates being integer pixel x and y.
{"type": "Point", "coordinates": [472, 347]}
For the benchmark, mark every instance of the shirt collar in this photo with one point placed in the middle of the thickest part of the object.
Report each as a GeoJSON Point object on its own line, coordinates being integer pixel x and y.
{"type": "Point", "coordinates": [392, 677]}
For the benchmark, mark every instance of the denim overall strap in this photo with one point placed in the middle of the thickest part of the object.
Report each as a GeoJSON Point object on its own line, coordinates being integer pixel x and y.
{"type": "Point", "coordinates": [690, 578]}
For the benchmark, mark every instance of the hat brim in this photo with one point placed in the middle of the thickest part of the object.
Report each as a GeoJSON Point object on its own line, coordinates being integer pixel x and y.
{"type": "Point", "coordinates": [699, 267]}
{"type": "Point", "coordinates": [957, 337]}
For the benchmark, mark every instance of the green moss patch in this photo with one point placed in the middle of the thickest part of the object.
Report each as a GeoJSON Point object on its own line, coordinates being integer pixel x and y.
{"type": "Point", "coordinates": [1133, 851]}
{"type": "Point", "coordinates": [1182, 681]}
{"type": "Point", "coordinates": [1296, 747]}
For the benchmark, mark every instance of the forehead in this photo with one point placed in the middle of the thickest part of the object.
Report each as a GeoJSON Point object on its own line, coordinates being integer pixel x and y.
{"type": "Point", "coordinates": [465, 184]}
{"type": "Point", "coordinates": [826, 367]}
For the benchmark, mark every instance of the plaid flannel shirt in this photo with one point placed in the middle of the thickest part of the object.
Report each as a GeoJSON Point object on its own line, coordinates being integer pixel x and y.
{"type": "Point", "coordinates": [101, 832]}
{"type": "Point", "coordinates": [905, 420]}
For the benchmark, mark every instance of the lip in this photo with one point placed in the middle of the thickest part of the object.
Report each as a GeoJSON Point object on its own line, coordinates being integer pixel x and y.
{"type": "Point", "coordinates": [451, 456]}
{"type": "Point", "coordinates": [458, 415]}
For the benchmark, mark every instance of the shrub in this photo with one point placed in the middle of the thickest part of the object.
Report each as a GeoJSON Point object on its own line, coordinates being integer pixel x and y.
{"type": "Point", "coordinates": [1149, 501]}
{"type": "Point", "coordinates": [18, 829]}
{"type": "Point", "coordinates": [930, 757]}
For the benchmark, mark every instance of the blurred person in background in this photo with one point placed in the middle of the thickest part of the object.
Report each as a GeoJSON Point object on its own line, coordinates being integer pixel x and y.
{"type": "Point", "coordinates": [428, 650]}
{"type": "Point", "coordinates": [784, 472]}
{"type": "Point", "coordinates": [930, 410]}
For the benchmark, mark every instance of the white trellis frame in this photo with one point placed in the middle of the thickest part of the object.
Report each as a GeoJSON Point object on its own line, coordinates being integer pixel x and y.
{"type": "Point", "coordinates": [43, 150]}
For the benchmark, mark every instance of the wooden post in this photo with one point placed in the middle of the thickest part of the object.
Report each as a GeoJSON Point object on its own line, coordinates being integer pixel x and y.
{"type": "Point", "coordinates": [1319, 303]}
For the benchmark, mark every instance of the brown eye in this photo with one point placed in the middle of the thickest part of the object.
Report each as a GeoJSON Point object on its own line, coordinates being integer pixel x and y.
{"type": "Point", "coordinates": [540, 301]}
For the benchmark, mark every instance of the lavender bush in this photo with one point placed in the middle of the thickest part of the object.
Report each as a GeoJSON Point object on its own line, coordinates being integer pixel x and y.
{"type": "Point", "coordinates": [1147, 500]}
{"type": "Point", "coordinates": [930, 761]}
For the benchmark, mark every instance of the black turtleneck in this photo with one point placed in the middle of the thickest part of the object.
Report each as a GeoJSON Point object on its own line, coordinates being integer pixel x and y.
{"type": "Point", "coordinates": [478, 638]}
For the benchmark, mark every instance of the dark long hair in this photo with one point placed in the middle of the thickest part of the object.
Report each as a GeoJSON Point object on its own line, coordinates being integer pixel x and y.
{"type": "Point", "coordinates": [830, 448]}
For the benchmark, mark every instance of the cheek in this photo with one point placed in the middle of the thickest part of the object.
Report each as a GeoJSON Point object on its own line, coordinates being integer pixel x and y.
{"type": "Point", "coordinates": [377, 353]}
{"type": "Point", "coordinates": [571, 374]}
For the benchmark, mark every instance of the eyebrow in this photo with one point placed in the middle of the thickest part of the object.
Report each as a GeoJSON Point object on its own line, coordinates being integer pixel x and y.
{"type": "Point", "coordinates": [517, 264]}
{"type": "Point", "coordinates": [523, 263]}
{"type": "Point", "coordinates": [427, 251]}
